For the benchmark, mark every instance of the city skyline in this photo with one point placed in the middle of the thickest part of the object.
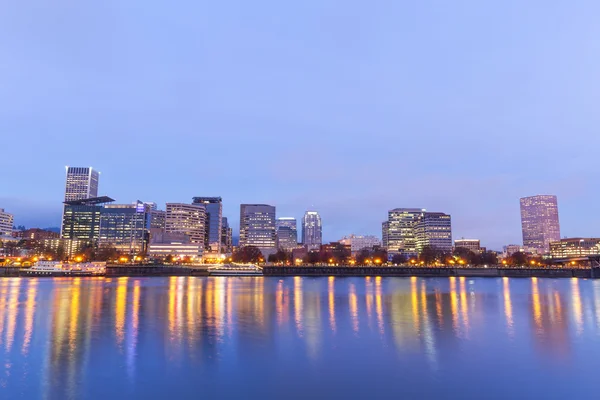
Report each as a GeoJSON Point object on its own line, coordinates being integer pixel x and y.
{"type": "Point", "coordinates": [218, 202]}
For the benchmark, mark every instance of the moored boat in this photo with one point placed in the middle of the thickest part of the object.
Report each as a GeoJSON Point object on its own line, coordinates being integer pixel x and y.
{"type": "Point", "coordinates": [235, 270]}
{"type": "Point", "coordinates": [57, 268]}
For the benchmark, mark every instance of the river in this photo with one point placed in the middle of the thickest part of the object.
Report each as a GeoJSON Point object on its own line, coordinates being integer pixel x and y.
{"type": "Point", "coordinates": [272, 338]}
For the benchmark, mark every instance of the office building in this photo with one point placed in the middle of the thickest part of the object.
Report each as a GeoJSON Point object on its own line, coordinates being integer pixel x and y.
{"type": "Point", "coordinates": [6, 223]}
{"type": "Point", "coordinates": [226, 237]}
{"type": "Point", "coordinates": [82, 183]}
{"type": "Point", "coordinates": [401, 230]}
{"type": "Point", "coordinates": [125, 227]}
{"type": "Point", "coordinates": [575, 248]}
{"type": "Point", "coordinates": [35, 234]}
{"type": "Point", "coordinates": [360, 242]}
{"type": "Point", "coordinates": [157, 219]}
{"type": "Point", "coordinates": [214, 221]}
{"type": "Point", "coordinates": [258, 227]}
{"type": "Point", "coordinates": [434, 229]}
{"type": "Point", "coordinates": [539, 222]}
{"type": "Point", "coordinates": [188, 219]}
{"type": "Point", "coordinates": [287, 233]}
{"type": "Point", "coordinates": [511, 249]}
{"type": "Point", "coordinates": [385, 227]}
{"type": "Point", "coordinates": [65, 248]}
{"type": "Point", "coordinates": [473, 245]}
{"type": "Point", "coordinates": [312, 231]}
{"type": "Point", "coordinates": [81, 219]}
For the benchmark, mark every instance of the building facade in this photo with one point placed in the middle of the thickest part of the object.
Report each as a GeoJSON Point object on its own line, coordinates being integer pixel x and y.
{"type": "Point", "coordinates": [157, 219]}
{"type": "Point", "coordinates": [226, 237]}
{"type": "Point", "coordinates": [125, 227]}
{"type": "Point", "coordinates": [511, 249]}
{"type": "Point", "coordinates": [6, 223]}
{"type": "Point", "coordinates": [400, 226]}
{"type": "Point", "coordinates": [385, 227]}
{"type": "Point", "coordinates": [81, 219]}
{"type": "Point", "coordinates": [312, 230]}
{"type": "Point", "coordinates": [434, 229]}
{"type": "Point", "coordinates": [214, 221]}
{"type": "Point", "coordinates": [258, 227]}
{"type": "Point", "coordinates": [188, 219]}
{"type": "Point", "coordinates": [82, 183]}
{"type": "Point", "coordinates": [360, 242]}
{"type": "Point", "coordinates": [287, 233]}
{"type": "Point", "coordinates": [539, 223]}
{"type": "Point", "coordinates": [473, 245]}
{"type": "Point", "coordinates": [574, 248]}
{"type": "Point", "coordinates": [36, 234]}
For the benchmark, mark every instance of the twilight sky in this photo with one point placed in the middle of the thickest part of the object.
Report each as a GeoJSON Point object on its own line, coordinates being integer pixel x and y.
{"type": "Point", "coordinates": [345, 106]}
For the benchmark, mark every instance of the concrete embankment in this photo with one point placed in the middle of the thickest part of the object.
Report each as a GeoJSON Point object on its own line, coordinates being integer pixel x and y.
{"type": "Point", "coordinates": [431, 272]}
{"type": "Point", "coordinates": [154, 270]}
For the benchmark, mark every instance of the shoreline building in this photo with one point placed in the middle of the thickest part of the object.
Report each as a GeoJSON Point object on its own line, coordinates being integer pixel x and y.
{"type": "Point", "coordinates": [360, 242]}
{"type": "Point", "coordinates": [81, 219]}
{"type": "Point", "coordinates": [539, 223]}
{"type": "Point", "coordinates": [312, 231]}
{"type": "Point", "coordinates": [434, 229]}
{"type": "Point", "coordinates": [214, 222]}
{"type": "Point", "coordinates": [473, 245]}
{"type": "Point", "coordinates": [125, 227]}
{"type": "Point", "coordinates": [575, 248]}
{"type": "Point", "coordinates": [187, 219]}
{"type": "Point", "coordinates": [287, 233]}
{"type": "Point", "coordinates": [258, 227]}
{"type": "Point", "coordinates": [6, 223]}
{"type": "Point", "coordinates": [400, 236]}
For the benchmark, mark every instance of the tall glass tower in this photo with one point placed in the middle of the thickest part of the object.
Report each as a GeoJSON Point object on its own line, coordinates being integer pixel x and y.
{"type": "Point", "coordinates": [312, 230]}
{"type": "Point", "coordinates": [214, 222]}
{"type": "Point", "coordinates": [539, 222]}
{"type": "Point", "coordinates": [82, 183]}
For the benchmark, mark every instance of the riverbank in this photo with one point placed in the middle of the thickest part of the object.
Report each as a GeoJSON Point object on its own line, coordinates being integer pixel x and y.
{"type": "Point", "coordinates": [176, 270]}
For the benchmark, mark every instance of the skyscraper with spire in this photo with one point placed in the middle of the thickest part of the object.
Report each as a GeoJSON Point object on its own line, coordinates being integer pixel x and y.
{"type": "Point", "coordinates": [312, 230]}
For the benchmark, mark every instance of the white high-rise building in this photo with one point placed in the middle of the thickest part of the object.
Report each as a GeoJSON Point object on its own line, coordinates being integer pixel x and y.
{"type": "Point", "coordinates": [312, 230]}
{"type": "Point", "coordinates": [82, 183]}
{"type": "Point", "coordinates": [6, 223]}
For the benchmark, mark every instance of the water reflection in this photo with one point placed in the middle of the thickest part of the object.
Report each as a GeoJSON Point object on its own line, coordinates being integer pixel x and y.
{"type": "Point", "coordinates": [72, 327]}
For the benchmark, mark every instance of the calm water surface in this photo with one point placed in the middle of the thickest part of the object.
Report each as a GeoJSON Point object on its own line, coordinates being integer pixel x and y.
{"type": "Point", "coordinates": [271, 338]}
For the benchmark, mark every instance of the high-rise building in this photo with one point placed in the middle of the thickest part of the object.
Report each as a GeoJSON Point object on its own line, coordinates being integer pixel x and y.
{"type": "Point", "coordinates": [312, 231]}
{"type": "Point", "coordinates": [214, 221]}
{"type": "Point", "coordinates": [434, 229]}
{"type": "Point", "coordinates": [188, 219]}
{"type": "Point", "coordinates": [226, 237]}
{"type": "Point", "coordinates": [400, 225]}
{"type": "Point", "coordinates": [81, 218]}
{"type": "Point", "coordinates": [125, 227]}
{"type": "Point", "coordinates": [287, 233]}
{"type": "Point", "coordinates": [258, 228]}
{"type": "Point", "coordinates": [6, 223]}
{"type": "Point", "coordinates": [473, 245]}
{"type": "Point", "coordinates": [539, 222]}
{"type": "Point", "coordinates": [82, 183]}
{"type": "Point", "coordinates": [360, 242]}
{"type": "Point", "coordinates": [511, 249]}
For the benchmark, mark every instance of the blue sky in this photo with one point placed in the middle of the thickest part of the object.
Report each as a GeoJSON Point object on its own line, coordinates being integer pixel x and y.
{"type": "Point", "coordinates": [348, 107]}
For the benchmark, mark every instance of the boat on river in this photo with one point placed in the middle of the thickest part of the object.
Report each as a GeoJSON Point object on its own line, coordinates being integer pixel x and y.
{"type": "Point", "coordinates": [235, 270]}
{"type": "Point", "coordinates": [58, 268]}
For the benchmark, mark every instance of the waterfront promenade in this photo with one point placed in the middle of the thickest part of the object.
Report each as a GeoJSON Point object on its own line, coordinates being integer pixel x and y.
{"type": "Point", "coordinates": [392, 271]}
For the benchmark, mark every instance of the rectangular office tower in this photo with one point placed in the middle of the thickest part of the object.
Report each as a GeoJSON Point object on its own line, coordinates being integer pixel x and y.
{"type": "Point", "coordinates": [258, 228]}
{"type": "Point", "coordinates": [226, 237]}
{"type": "Point", "coordinates": [400, 237]}
{"type": "Point", "coordinates": [6, 223]}
{"type": "Point", "coordinates": [434, 229]}
{"type": "Point", "coordinates": [214, 222]}
{"type": "Point", "coordinates": [125, 227]}
{"type": "Point", "coordinates": [81, 219]}
{"type": "Point", "coordinates": [82, 183]}
{"type": "Point", "coordinates": [187, 219]}
{"type": "Point", "coordinates": [539, 222]}
{"type": "Point", "coordinates": [287, 233]}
